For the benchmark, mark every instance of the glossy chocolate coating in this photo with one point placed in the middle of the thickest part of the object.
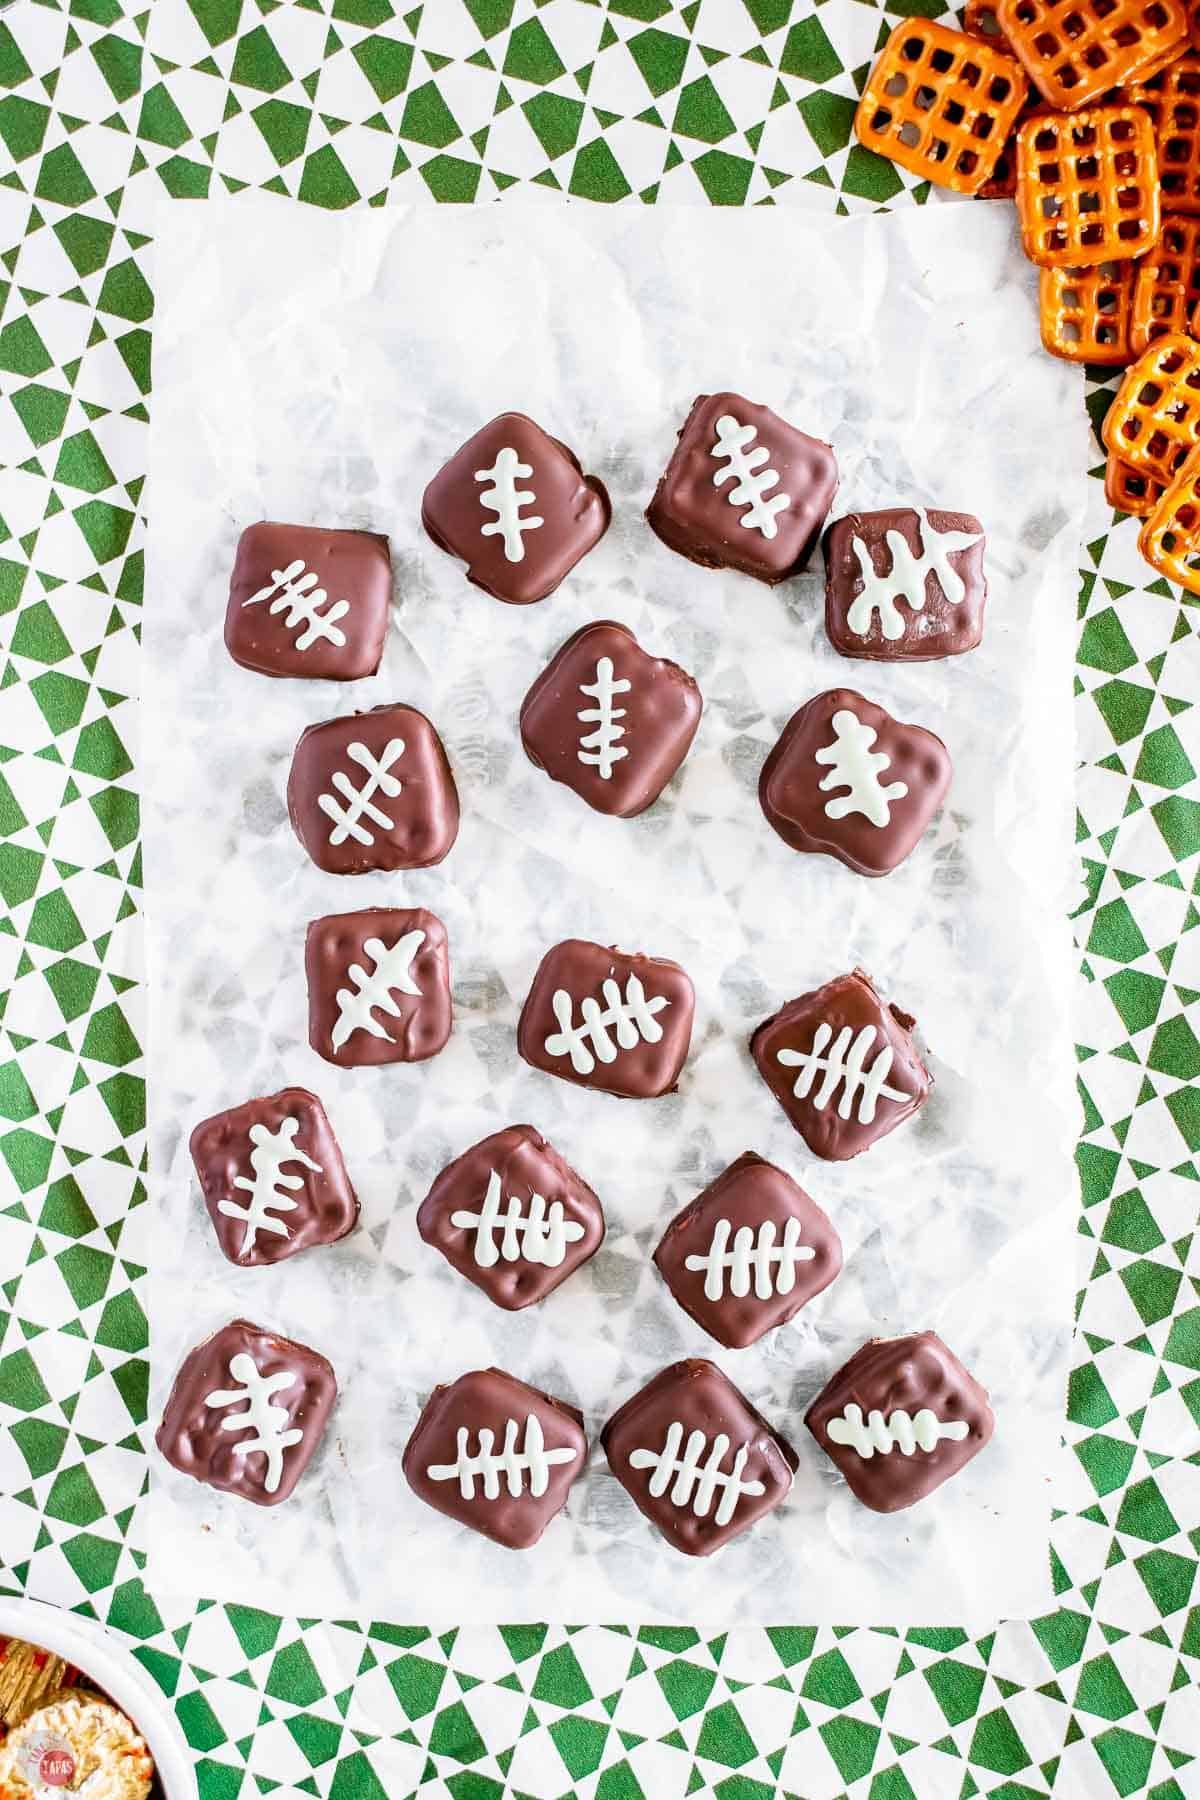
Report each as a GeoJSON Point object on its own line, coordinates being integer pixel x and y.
{"type": "Point", "coordinates": [193, 1437]}
{"type": "Point", "coordinates": [750, 1193]}
{"type": "Point", "coordinates": [847, 1006]}
{"type": "Point", "coordinates": [893, 1375]}
{"type": "Point", "coordinates": [410, 829]}
{"type": "Point", "coordinates": [580, 970]}
{"type": "Point", "coordinates": [692, 512]}
{"type": "Point", "coordinates": [523, 1165]}
{"type": "Point", "coordinates": [935, 628]}
{"type": "Point", "coordinates": [573, 508]}
{"type": "Point", "coordinates": [488, 1400]}
{"type": "Point", "coordinates": [409, 1027]}
{"type": "Point", "coordinates": [322, 1206]}
{"type": "Point", "coordinates": [796, 804]}
{"type": "Point", "coordinates": [658, 715]}
{"type": "Point", "coordinates": [350, 566]}
{"type": "Point", "coordinates": [696, 1396]}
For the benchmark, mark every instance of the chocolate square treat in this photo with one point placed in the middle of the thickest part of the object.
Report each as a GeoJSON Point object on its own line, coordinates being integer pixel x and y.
{"type": "Point", "coordinates": [609, 720]}
{"type": "Point", "coordinates": [515, 505]}
{"type": "Point", "coordinates": [373, 791]}
{"type": "Point", "coordinates": [247, 1412]}
{"type": "Point", "coordinates": [744, 490]}
{"type": "Point", "coordinates": [608, 1019]}
{"type": "Point", "coordinates": [842, 1065]}
{"type": "Point", "coordinates": [697, 1458]}
{"type": "Point", "coordinates": [513, 1217]}
{"type": "Point", "coordinates": [904, 585]}
{"type": "Point", "coordinates": [900, 1418]}
{"type": "Point", "coordinates": [748, 1252]}
{"type": "Point", "coordinates": [378, 986]}
{"type": "Point", "coordinates": [847, 780]}
{"type": "Point", "coordinates": [497, 1455]}
{"type": "Point", "coordinates": [303, 601]}
{"type": "Point", "coordinates": [273, 1178]}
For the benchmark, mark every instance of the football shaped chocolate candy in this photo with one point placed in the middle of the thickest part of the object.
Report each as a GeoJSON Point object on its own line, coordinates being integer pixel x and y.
{"type": "Point", "coordinates": [308, 602]}
{"type": "Point", "coordinates": [608, 1019]}
{"type": "Point", "coordinates": [378, 986]}
{"type": "Point", "coordinates": [904, 585]}
{"type": "Point", "coordinates": [373, 791]}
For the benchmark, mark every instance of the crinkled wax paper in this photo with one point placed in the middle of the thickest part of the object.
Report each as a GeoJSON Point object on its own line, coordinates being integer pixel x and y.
{"type": "Point", "coordinates": [318, 368]}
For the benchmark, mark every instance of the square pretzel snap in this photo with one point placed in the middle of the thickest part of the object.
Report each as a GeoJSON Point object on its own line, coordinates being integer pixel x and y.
{"type": "Point", "coordinates": [1087, 187]}
{"type": "Point", "coordinates": [1074, 50]}
{"type": "Point", "coordinates": [1086, 313]}
{"type": "Point", "coordinates": [941, 104]}
{"type": "Point", "coordinates": [1155, 419]}
{"type": "Point", "coordinates": [1170, 538]}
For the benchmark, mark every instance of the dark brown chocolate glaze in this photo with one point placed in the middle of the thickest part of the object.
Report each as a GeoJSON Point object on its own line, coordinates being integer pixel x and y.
{"type": "Point", "coordinates": [352, 568]}
{"type": "Point", "coordinates": [193, 1435]}
{"type": "Point", "coordinates": [892, 1382]}
{"type": "Point", "coordinates": [654, 719]}
{"type": "Point", "coordinates": [582, 971]}
{"type": "Point", "coordinates": [832, 1125]}
{"type": "Point", "coordinates": [739, 1286]}
{"type": "Point", "coordinates": [658, 1422]}
{"type": "Point", "coordinates": [923, 622]}
{"type": "Point", "coordinates": [796, 790]}
{"type": "Point", "coordinates": [694, 513]}
{"type": "Point", "coordinates": [535, 1219]}
{"type": "Point", "coordinates": [395, 1024]}
{"type": "Point", "coordinates": [390, 805]}
{"type": "Point", "coordinates": [449, 1431]}
{"type": "Point", "coordinates": [299, 1194]}
{"type": "Point", "coordinates": [573, 508]}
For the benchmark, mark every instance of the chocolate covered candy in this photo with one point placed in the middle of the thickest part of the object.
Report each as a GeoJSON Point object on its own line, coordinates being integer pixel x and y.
{"type": "Point", "coordinates": [697, 1458]}
{"type": "Point", "coordinates": [744, 490]}
{"type": "Point", "coordinates": [247, 1412]}
{"type": "Point", "coordinates": [515, 505]}
{"type": "Point", "coordinates": [608, 1019]}
{"type": "Point", "coordinates": [378, 986]}
{"type": "Point", "coordinates": [748, 1252]}
{"type": "Point", "coordinates": [609, 720]}
{"type": "Point", "coordinates": [309, 602]}
{"type": "Point", "coordinates": [847, 780]}
{"type": "Point", "coordinates": [373, 791]}
{"type": "Point", "coordinates": [496, 1455]}
{"type": "Point", "coordinates": [900, 1418]}
{"type": "Point", "coordinates": [512, 1216]}
{"type": "Point", "coordinates": [905, 584]}
{"type": "Point", "coordinates": [273, 1178]}
{"type": "Point", "coordinates": [842, 1065]}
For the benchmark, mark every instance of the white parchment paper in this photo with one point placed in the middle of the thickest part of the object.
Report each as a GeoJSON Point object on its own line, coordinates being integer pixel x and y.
{"type": "Point", "coordinates": [319, 369]}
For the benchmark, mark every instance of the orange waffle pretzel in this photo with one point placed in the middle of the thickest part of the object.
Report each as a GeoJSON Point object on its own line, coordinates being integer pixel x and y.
{"type": "Point", "coordinates": [1087, 186]}
{"type": "Point", "coordinates": [1128, 489]}
{"type": "Point", "coordinates": [941, 104]}
{"type": "Point", "coordinates": [1155, 419]}
{"type": "Point", "coordinates": [1167, 284]}
{"type": "Point", "coordinates": [1178, 136]}
{"type": "Point", "coordinates": [1085, 313]}
{"type": "Point", "coordinates": [1170, 538]}
{"type": "Point", "coordinates": [1073, 50]}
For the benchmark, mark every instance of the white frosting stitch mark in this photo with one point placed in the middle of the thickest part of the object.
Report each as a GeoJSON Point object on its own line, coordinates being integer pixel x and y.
{"type": "Point", "coordinates": [391, 973]}
{"type": "Point", "coordinates": [600, 747]}
{"type": "Point", "coordinates": [360, 802]}
{"type": "Point", "coordinates": [855, 766]}
{"type": "Point", "coordinates": [744, 467]}
{"type": "Point", "coordinates": [632, 1019]}
{"type": "Point", "coordinates": [539, 1236]}
{"type": "Point", "coordinates": [753, 1256]}
{"type": "Point", "coordinates": [845, 1066]}
{"type": "Point", "coordinates": [875, 1434]}
{"type": "Point", "coordinates": [269, 1188]}
{"type": "Point", "coordinates": [489, 1464]}
{"type": "Point", "coordinates": [294, 592]}
{"type": "Point", "coordinates": [506, 498]}
{"type": "Point", "coordinates": [269, 1422]}
{"type": "Point", "coordinates": [906, 580]}
{"type": "Point", "coordinates": [697, 1484]}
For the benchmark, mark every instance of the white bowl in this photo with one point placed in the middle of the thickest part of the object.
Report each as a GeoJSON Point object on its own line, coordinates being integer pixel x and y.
{"type": "Point", "coordinates": [95, 1652]}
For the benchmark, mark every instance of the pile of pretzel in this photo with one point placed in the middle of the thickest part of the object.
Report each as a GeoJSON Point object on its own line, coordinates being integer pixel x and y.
{"type": "Point", "coordinates": [1086, 113]}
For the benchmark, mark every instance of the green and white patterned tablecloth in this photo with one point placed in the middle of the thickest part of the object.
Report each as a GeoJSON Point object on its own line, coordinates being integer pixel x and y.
{"type": "Point", "coordinates": [103, 105]}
